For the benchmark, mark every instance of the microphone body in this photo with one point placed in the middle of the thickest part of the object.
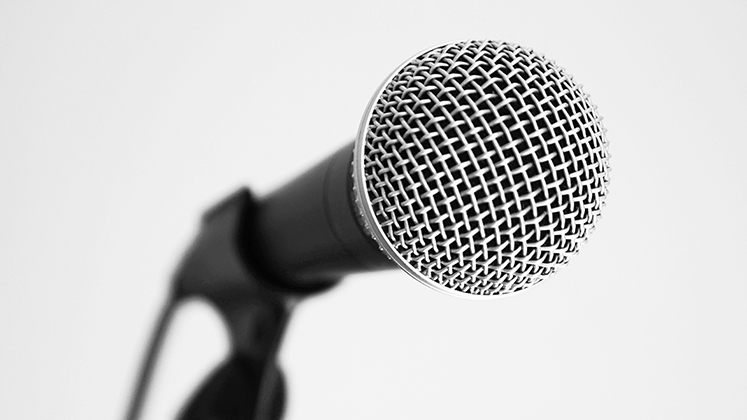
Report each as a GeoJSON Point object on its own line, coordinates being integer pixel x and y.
{"type": "Point", "coordinates": [309, 231]}
{"type": "Point", "coordinates": [480, 168]}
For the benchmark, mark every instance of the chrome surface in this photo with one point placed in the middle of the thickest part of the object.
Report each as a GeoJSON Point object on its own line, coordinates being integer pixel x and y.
{"type": "Point", "coordinates": [480, 168]}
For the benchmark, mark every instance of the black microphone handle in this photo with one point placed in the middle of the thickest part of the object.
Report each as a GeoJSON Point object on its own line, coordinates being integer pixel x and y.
{"type": "Point", "coordinates": [309, 230]}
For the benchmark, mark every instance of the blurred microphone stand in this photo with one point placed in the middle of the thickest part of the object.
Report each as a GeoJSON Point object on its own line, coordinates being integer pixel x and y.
{"type": "Point", "coordinates": [222, 267]}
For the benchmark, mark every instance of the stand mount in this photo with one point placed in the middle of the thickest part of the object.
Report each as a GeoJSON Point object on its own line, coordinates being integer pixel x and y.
{"type": "Point", "coordinates": [221, 266]}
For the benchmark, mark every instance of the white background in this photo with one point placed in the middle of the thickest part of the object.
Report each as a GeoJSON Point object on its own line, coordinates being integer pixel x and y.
{"type": "Point", "coordinates": [120, 123]}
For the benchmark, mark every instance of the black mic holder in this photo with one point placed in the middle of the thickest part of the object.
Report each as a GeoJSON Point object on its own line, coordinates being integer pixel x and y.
{"type": "Point", "coordinates": [222, 267]}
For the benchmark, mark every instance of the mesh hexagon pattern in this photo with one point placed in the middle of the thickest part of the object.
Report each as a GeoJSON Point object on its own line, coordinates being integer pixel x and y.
{"type": "Point", "coordinates": [486, 167]}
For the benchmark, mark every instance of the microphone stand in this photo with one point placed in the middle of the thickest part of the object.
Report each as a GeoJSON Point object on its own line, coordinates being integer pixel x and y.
{"type": "Point", "coordinates": [221, 266]}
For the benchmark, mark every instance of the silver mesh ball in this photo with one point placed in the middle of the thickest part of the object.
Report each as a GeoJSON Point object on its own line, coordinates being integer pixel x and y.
{"type": "Point", "coordinates": [481, 168]}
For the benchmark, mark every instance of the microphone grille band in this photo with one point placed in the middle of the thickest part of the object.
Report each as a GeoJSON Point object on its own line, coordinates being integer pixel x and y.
{"type": "Point", "coordinates": [481, 168]}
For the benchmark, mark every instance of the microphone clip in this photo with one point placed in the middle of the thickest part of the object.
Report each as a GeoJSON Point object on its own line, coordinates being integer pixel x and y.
{"type": "Point", "coordinates": [221, 267]}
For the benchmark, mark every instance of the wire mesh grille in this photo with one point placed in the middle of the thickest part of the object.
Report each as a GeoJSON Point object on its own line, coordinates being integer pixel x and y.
{"type": "Point", "coordinates": [485, 167]}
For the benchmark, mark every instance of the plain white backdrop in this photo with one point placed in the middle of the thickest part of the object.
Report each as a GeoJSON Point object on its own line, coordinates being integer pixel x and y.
{"type": "Point", "coordinates": [121, 122]}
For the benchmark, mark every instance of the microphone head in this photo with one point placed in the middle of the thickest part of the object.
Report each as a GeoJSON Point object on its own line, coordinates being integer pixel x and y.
{"type": "Point", "coordinates": [480, 168]}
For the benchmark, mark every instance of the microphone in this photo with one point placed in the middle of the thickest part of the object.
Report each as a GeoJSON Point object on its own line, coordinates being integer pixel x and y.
{"type": "Point", "coordinates": [480, 168]}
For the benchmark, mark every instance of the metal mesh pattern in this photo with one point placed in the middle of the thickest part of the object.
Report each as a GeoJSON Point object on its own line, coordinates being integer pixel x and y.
{"type": "Point", "coordinates": [485, 167]}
